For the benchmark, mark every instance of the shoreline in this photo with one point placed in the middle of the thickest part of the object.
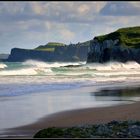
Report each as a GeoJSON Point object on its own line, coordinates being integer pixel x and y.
{"type": "Point", "coordinates": [74, 117]}
{"type": "Point", "coordinates": [79, 117]}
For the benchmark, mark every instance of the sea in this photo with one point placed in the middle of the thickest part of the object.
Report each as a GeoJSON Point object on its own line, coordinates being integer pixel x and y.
{"type": "Point", "coordinates": [33, 89]}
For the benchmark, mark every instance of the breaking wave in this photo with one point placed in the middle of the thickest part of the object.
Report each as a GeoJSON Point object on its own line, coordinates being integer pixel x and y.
{"type": "Point", "coordinates": [114, 66]}
{"type": "Point", "coordinates": [45, 76]}
{"type": "Point", "coordinates": [2, 66]}
{"type": "Point", "coordinates": [50, 64]}
{"type": "Point", "coordinates": [32, 67]}
{"type": "Point", "coordinates": [75, 69]}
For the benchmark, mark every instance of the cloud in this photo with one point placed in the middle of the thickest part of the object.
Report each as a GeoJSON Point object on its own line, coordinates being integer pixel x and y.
{"type": "Point", "coordinates": [67, 34]}
{"type": "Point", "coordinates": [121, 9]}
{"type": "Point", "coordinates": [38, 8]}
{"type": "Point", "coordinates": [52, 11]}
{"type": "Point", "coordinates": [83, 9]}
{"type": "Point", "coordinates": [30, 24]}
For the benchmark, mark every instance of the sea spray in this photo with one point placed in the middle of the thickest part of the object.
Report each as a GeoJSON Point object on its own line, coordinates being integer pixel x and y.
{"type": "Point", "coordinates": [2, 66]}
{"type": "Point", "coordinates": [33, 67]}
{"type": "Point", "coordinates": [72, 69]}
{"type": "Point", "coordinates": [111, 66]}
{"type": "Point", "coordinates": [51, 64]}
{"type": "Point", "coordinates": [27, 71]}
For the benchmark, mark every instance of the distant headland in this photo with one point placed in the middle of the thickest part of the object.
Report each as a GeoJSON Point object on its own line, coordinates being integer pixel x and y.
{"type": "Point", "coordinates": [122, 45]}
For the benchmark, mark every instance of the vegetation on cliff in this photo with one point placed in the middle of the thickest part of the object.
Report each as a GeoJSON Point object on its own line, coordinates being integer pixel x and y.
{"type": "Point", "coordinates": [128, 37]}
{"type": "Point", "coordinates": [127, 41]}
{"type": "Point", "coordinates": [52, 52]}
{"type": "Point", "coordinates": [50, 46]}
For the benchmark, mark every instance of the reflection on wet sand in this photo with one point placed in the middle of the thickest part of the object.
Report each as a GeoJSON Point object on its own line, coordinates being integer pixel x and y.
{"type": "Point", "coordinates": [120, 94]}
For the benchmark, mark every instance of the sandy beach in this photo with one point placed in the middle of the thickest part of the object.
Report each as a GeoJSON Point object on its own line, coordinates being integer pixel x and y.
{"type": "Point", "coordinates": [81, 116]}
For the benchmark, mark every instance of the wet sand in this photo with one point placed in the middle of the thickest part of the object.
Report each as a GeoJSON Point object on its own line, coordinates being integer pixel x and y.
{"type": "Point", "coordinates": [83, 116]}
{"type": "Point", "coordinates": [80, 117]}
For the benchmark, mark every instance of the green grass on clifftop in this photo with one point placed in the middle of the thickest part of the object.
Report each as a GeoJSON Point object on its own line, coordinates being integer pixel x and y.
{"type": "Point", "coordinates": [50, 46]}
{"type": "Point", "coordinates": [128, 37]}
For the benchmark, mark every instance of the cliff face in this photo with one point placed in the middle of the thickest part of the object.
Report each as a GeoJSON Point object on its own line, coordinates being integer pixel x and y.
{"type": "Point", "coordinates": [75, 52]}
{"type": "Point", "coordinates": [122, 45]}
{"type": "Point", "coordinates": [108, 50]}
{"type": "Point", "coordinates": [19, 55]}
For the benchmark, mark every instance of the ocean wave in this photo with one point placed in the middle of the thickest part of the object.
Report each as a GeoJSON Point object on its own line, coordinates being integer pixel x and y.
{"type": "Point", "coordinates": [31, 67]}
{"type": "Point", "coordinates": [113, 66]}
{"type": "Point", "coordinates": [2, 66]}
{"type": "Point", "coordinates": [42, 64]}
{"type": "Point", "coordinates": [25, 71]}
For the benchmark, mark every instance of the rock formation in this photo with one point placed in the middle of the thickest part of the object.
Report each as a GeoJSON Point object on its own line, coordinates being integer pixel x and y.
{"type": "Point", "coordinates": [122, 45]}
{"type": "Point", "coordinates": [51, 52]}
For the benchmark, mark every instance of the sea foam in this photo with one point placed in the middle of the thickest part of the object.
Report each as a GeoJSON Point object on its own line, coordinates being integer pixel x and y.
{"type": "Point", "coordinates": [2, 66]}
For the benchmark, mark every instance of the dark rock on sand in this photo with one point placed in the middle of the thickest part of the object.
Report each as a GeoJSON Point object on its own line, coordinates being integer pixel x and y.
{"type": "Point", "coordinates": [114, 129]}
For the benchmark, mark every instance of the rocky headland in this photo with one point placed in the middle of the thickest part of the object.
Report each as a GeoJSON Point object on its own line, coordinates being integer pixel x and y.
{"type": "Point", "coordinates": [122, 45]}
{"type": "Point", "coordinates": [51, 52]}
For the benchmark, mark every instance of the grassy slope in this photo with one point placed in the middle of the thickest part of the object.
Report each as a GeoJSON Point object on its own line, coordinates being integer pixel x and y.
{"type": "Point", "coordinates": [87, 43]}
{"type": "Point", "coordinates": [51, 45]}
{"type": "Point", "coordinates": [129, 37]}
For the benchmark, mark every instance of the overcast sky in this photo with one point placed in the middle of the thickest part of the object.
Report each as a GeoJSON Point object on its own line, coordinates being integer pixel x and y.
{"type": "Point", "coordinates": [30, 24]}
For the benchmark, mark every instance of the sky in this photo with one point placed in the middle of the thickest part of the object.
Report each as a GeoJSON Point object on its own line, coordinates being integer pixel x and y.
{"type": "Point", "coordinates": [29, 24]}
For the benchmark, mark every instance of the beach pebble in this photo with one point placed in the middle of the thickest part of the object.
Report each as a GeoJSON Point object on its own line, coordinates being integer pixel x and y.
{"type": "Point", "coordinates": [113, 129]}
{"type": "Point", "coordinates": [134, 130]}
{"type": "Point", "coordinates": [113, 122]}
{"type": "Point", "coordinates": [103, 130]}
